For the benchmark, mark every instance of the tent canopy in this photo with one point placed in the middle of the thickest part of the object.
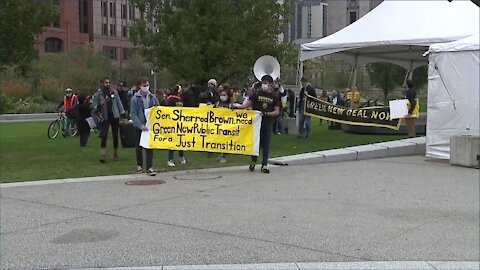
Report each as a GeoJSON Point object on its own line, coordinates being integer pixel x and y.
{"type": "Point", "coordinates": [398, 32]}
{"type": "Point", "coordinates": [471, 43]}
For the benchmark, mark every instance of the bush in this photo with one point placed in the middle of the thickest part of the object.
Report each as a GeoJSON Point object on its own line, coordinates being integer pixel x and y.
{"type": "Point", "coordinates": [6, 103]}
{"type": "Point", "coordinates": [51, 89]}
{"type": "Point", "coordinates": [16, 89]}
{"type": "Point", "coordinates": [35, 104]}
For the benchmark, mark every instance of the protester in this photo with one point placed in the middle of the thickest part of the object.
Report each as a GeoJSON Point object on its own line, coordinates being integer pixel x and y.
{"type": "Point", "coordinates": [356, 98]}
{"type": "Point", "coordinates": [209, 96]}
{"type": "Point", "coordinates": [174, 99]}
{"type": "Point", "coordinates": [291, 102]}
{"type": "Point", "coordinates": [70, 108]}
{"type": "Point", "coordinates": [269, 105]}
{"type": "Point", "coordinates": [123, 93]}
{"type": "Point", "coordinates": [324, 97]}
{"type": "Point", "coordinates": [413, 110]}
{"type": "Point", "coordinates": [107, 101]}
{"type": "Point", "coordinates": [224, 102]}
{"type": "Point", "coordinates": [280, 92]}
{"type": "Point", "coordinates": [305, 125]}
{"type": "Point", "coordinates": [338, 101]}
{"type": "Point", "coordinates": [141, 101]}
{"type": "Point", "coordinates": [82, 124]}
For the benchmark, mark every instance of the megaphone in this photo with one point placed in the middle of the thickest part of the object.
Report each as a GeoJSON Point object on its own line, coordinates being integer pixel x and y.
{"type": "Point", "coordinates": [266, 65]}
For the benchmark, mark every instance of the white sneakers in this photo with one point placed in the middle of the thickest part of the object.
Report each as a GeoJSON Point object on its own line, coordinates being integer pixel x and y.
{"type": "Point", "coordinates": [170, 163]}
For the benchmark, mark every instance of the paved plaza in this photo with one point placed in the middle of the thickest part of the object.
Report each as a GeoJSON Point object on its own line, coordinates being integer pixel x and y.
{"type": "Point", "coordinates": [398, 213]}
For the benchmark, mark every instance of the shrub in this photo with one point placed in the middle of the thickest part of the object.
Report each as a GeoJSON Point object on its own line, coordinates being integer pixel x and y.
{"type": "Point", "coordinates": [51, 89]}
{"type": "Point", "coordinates": [35, 104]}
{"type": "Point", "coordinates": [16, 89]}
{"type": "Point", "coordinates": [6, 104]}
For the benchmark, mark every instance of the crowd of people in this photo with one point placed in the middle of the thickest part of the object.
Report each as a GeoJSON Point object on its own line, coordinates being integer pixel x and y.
{"type": "Point", "coordinates": [106, 108]}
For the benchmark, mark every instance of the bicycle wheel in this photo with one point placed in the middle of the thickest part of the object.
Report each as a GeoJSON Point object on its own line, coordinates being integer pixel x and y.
{"type": "Point", "coordinates": [53, 129]}
{"type": "Point", "coordinates": [72, 131]}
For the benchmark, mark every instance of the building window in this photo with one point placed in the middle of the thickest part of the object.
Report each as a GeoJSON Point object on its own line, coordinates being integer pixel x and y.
{"type": "Point", "coordinates": [105, 29]}
{"type": "Point", "coordinates": [124, 12]}
{"type": "Point", "coordinates": [111, 52]}
{"type": "Point", "coordinates": [309, 21]}
{"type": "Point", "coordinates": [103, 6]}
{"type": "Point", "coordinates": [53, 45]}
{"type": "Point", "coordinates": [113, 30]}
{"type": "Point", "coordinates": [112, 10]}
{"type": "Point", "coordinates": [124, 53]}
{"type": "Point", "coordinates": [83, 18]}
{"type": "Point", "coordinates": [353, 17]}
{"type": "Point", "coordinates": [131, 12]}
{"type": "Point", "coordinates": [124, 31]}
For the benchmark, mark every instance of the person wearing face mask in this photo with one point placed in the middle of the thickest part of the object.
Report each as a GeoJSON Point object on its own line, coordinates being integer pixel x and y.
{"type": "Point", "coordinates": [70, 108]}
{"type": "Point", "coordinates": [107, 101]}
{"type": "Point", "coordinates": [141, 101]}
{"type": "Point", "coordinates": [224, 102]}
{"type": "Point", "coordinates": [268, 103]}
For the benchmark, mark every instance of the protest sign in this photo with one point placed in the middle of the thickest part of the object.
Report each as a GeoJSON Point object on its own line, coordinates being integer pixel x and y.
{"type": "Point", "coordinates": [371, 116]}
{"type": "Point", "coordinates": [202, 129]}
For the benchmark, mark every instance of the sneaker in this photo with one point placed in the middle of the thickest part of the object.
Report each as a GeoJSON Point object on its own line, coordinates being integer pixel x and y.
{"type": "Point", "coordinates": [265, 169]}
{"type": "Point", "coordinates": [222, 160]}
{"type": "Point", "coordinates": [102, 159]}
{"type": "Point", "coordinates": [115, 157]}
{"type": "Point", "coordinates": [183, 160]}
{"type": "Point", "coordinates": [252, 166]}
{"type": "Point", "coordinates": [170, 163]}
{"type": "Point", "coordinates": [151, 172]}
{"type": "Point", "coordinates": [139, 169]}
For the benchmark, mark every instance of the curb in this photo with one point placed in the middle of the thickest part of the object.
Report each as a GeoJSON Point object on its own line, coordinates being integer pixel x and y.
{"type": "Point", "coordinates": [405, 147]}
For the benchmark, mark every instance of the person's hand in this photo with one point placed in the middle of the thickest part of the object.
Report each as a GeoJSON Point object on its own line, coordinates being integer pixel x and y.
{"type": "Point", "coordinates": [408, 116]}
{"type": "Point", "coordinates": [144, 128]}
{"type": "Point", "coordinates": [232, 106]}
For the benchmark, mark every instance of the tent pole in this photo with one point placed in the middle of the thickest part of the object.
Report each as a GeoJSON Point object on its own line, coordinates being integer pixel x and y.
{"type": "Point", "coordinates": [354, 78]}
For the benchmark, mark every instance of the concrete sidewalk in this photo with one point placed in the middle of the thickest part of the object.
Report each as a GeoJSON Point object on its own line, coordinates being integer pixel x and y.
{"type": "Point", "coordinates": [387, 213]}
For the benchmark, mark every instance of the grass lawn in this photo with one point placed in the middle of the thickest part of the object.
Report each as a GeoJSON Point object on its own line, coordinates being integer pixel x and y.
{"type": "Point", "coordinates": [27, 154]}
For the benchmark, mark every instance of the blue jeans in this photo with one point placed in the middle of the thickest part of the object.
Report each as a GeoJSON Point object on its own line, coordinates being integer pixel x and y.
{"type": "Point", "coordinates": [170, 154]}
{"type": "Point", "coordinates": [304, 125]}
{"type": "Point", "coordinates": [265, 139]}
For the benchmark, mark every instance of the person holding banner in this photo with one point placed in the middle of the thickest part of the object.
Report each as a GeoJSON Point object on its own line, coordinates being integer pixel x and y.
{"type": "Point", "coordinates": [224, 102]}
{"type": "Point", "coordinates": [413, 109]}
{"type": "Point", "coordinates": [175, 100]}
{"type": "Point", "coordinates": [305, 125]}
{"type": "Point", "coordinates": [268, 104]}
{"type": "Point", "coordinates": [142, 100]}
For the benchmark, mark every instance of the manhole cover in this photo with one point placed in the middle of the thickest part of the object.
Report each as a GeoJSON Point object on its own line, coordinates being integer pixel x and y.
{"type": "Point", "coordinates": [197, 177]}
{"type": "Point", "coordinates": [144, 182]}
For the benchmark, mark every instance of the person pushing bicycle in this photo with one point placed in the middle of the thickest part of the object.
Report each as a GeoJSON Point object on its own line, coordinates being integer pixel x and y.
{"type": "Point", "coordinates": [70, 108]}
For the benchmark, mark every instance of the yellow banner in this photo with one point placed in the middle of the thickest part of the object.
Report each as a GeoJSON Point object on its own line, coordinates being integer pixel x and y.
{"type": "Point", "coordinates": [202, 129]}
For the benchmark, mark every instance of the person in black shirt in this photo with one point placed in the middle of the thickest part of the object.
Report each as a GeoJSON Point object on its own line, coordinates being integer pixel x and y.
{"type": "Point", "coordinates": [268, 104]}
{"type": "Point", "coordinates": [412, 99]}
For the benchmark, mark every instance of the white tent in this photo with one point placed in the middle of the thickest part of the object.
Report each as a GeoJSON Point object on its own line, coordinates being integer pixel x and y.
{"type": "Point", "coordinates": [398, 32]}
{"type": "Point", "coordinates": [453, 93]}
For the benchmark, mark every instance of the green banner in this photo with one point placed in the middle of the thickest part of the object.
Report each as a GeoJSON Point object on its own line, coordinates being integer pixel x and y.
{"type": "Point", "coordinates": [371, 116]}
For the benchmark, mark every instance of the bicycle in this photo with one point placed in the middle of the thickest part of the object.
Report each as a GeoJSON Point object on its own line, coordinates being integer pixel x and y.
{"type": "Point", "coordinates": [60, 124]}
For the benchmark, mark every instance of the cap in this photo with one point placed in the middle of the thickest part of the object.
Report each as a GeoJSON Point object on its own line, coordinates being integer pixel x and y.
{"type": "Point", "coordinates": [212, 82]}
{"type": "Point", "coordinates": [68, 90]}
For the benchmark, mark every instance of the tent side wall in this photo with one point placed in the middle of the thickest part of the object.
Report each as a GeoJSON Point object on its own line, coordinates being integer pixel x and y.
{"type": "Point", "coordinates": [453, 99]}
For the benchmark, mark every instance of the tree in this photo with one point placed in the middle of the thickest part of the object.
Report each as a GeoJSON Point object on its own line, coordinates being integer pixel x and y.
{"type": "Point", "coordinates": [20, 22]}
{"type": "Point", "coordinates": [387, 76]}
{"type": "Point", "coordinates": [198, 40]}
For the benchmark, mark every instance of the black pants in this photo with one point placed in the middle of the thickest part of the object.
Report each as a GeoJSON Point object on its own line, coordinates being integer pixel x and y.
{"type": "Point", "coordinates": [83, 131]}
{"type": "Point", "coordinates": [114, 122]}
{"type": "Point", "coordinates": [139, 152]}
